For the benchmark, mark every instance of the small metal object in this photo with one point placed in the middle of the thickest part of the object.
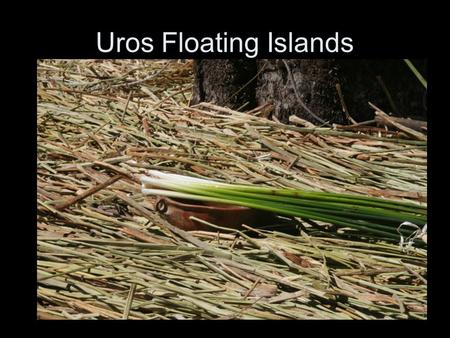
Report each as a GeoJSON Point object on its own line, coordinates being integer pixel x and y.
{"type": "Point", "coordinates": [178, 213]}
{"type": "Point", "coordinates": [161, 206]}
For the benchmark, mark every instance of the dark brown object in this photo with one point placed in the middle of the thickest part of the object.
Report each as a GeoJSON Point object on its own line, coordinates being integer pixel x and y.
{"type": "Point", "coordinates": [178, 213]}
{"type": "Point", "coordinates": [390, 122]}
{"type": "Point", "coordinates": [225, 82]}
{"type": "Point", "coordinates": [314, 88]}
{"type": "Point", "coordinates": [390, 84]}
{"type": "Point", "coordinates": [410, 123]}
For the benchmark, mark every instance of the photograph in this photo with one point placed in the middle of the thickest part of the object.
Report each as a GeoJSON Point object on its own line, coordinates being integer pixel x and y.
{"type": "Point", "coordinates": [231, 188]}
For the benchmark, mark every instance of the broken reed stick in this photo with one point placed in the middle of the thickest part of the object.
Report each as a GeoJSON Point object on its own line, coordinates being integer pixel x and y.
{"type": "Point", "coordinates": [88, 192]}
{"type": "Point", "coordinates": [113, 168]}
{"type": "Point", "coordinates": [259, 108]}
{"type": "Point", "coordinates": [388, 120]}
{"type": "Point", "coordinates": [299, 121]}
{"type": "Point", "coordinates": [142, 236]}
{"type": "Point", "coordinates": [409, 123]}
{"type": "Point", "coordinates": [126, 311]}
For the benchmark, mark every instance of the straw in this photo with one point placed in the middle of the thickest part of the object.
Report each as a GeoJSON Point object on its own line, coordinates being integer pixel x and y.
{"type": "Point", "coordinates": [108, 255]}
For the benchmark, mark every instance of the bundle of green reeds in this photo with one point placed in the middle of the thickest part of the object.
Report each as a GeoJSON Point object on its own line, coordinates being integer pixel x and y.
{"type": "Point", "coordinates": [370, 215]}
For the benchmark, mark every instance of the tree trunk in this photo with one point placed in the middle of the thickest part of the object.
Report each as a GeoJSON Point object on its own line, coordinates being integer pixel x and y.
{"type": "Point", "coordinates": [313, 88]}
{"type": "Point", "coordinates": [223, 82]}
{"type": "Point", "coordinates": [316, 90]}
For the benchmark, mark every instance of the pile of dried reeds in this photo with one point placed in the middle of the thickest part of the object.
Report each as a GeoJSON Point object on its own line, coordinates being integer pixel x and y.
{"type": "Point", "coordinates": [104, 254]}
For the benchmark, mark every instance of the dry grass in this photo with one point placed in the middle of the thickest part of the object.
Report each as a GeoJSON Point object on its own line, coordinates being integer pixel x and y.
{"type": "Point", "coordinates": [104, 254]}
